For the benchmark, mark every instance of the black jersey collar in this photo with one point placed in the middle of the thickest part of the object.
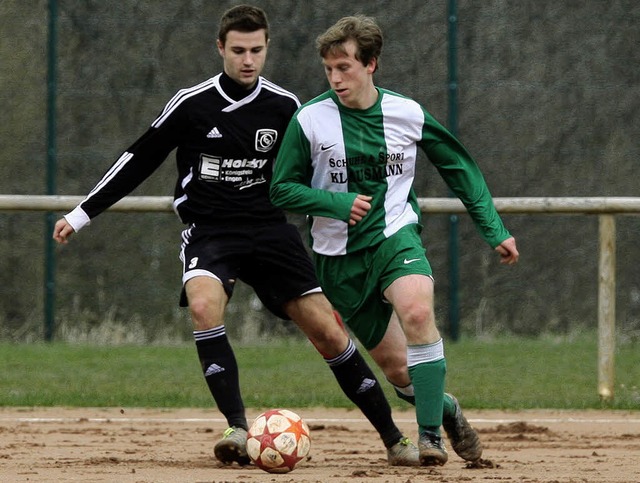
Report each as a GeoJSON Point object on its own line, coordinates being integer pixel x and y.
{"type": "Point", "coordinates": [234, 90]}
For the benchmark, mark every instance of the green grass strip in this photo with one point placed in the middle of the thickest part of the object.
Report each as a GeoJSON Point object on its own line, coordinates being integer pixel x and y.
{"type": "Point", "coordinates": [503, 373]}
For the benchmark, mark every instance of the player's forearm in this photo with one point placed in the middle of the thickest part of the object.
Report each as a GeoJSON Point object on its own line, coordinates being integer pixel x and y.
{"type": "Point", "coordinates": [298, 198]}
{"type": "Point", "coordinates": [489, 224]}
{"type": "Point", "coordinates": [475, 195]}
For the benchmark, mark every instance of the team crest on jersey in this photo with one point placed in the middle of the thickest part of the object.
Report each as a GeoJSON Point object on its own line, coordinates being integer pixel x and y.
{"type": "Point", "coordinates": [265, 139]}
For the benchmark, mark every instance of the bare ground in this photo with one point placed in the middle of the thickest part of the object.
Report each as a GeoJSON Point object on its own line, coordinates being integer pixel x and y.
{"type": "Point", "coordinates": [151, 445]}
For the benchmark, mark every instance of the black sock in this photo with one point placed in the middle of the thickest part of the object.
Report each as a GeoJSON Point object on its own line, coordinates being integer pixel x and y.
{"type": "Point", "coordinates": [221, 373]}
{"type": "Point", "coordinates": [361, 386]}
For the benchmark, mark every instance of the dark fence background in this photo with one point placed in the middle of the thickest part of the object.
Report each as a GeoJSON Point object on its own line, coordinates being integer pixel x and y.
{"type": "Point", "coordinates": [548, 103]}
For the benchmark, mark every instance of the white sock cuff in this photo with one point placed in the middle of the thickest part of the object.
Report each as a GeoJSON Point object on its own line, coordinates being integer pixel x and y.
{"type": "Point", "coordinates": [209, 333]}
{"type": "Point", "coordinates": [417, 354]}
{"type": "Point", "coordinates": [406, 390]}
{"type": "Point", "coordinates": [339, 359]}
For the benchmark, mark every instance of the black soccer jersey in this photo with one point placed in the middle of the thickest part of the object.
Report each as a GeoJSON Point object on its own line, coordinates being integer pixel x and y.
{"type": "Point", "coordinates": [225, 153]}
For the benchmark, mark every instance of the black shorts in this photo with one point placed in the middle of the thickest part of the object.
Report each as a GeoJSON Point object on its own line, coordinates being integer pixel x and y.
{"type": "Point", "coordinates": [272, 259]}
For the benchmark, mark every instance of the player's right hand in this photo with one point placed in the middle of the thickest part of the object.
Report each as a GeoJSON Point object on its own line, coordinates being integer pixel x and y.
{"type": "Point", "coordinates": [62, 231]}
{"type": "Point", "coordinates": [508, 252]}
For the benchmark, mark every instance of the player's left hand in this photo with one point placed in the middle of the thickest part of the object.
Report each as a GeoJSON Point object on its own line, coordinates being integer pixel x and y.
{"type": "Point", "coordinates": [508, 252]}
{"type": "Point", "coordinates": [361, 206]}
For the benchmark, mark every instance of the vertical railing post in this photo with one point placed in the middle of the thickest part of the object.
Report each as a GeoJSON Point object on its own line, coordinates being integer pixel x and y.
{"type": "Point", "coordinates": [452, 87]}
{"type": "Point", "coordinates": [50, 255]}
{"type": "Point", "coordinates": [606, 307]}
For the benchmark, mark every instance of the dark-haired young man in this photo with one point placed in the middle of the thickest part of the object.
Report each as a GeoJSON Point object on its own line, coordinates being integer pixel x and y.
{"type": "Point", "coordinates": [227, 131]}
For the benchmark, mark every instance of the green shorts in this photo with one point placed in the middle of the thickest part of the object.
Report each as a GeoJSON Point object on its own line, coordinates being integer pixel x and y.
{"type": "Point", "coordinates": [355, 283]}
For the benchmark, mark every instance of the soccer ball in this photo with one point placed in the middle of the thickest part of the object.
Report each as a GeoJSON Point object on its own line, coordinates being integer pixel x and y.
{"type": "Point", "coordinates": [277, 440]}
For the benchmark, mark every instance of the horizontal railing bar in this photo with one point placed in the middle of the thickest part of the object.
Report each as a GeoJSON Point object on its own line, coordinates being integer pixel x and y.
{"type": "Point", "coordinates": [67, 203]}
{"type": "Point", "coordinates": [542, 205]}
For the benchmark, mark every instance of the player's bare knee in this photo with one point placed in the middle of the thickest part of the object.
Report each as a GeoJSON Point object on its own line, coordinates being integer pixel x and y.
{"type": "Point", "coordinates": [397, 375]}
{"type": "Point", "coordinates": [203, 314]}
{"type": "Point", "coordinates": [336, 338]}
{"type": "Point", "coordinates": [328, 335]}
{"type": "Point", "coordinates": [417, 315]}
{"type": "Point", "coordinates": [393, 362]}
{"type": "Point", "coordinates": [198, 307]}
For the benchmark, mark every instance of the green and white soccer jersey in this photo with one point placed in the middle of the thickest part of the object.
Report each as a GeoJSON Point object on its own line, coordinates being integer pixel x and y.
{"type": "Point", "coordinates": [330, 153]}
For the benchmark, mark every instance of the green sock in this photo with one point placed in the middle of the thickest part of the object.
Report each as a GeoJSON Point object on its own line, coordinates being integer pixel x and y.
{"type": "Point", "coordinates": [449, 407]}
{"type": "Point", "coordinates": [428, 383]}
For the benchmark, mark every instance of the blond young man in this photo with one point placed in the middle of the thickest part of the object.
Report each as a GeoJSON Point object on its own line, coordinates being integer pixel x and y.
{"type": "Point", "coordinates": [348, 160]}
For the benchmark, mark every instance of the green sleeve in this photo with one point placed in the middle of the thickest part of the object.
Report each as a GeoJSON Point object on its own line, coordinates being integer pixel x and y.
{"type": "Point", "coordinates": [464, 178]}
{"type": "Point", "coordinates": [291, 184]}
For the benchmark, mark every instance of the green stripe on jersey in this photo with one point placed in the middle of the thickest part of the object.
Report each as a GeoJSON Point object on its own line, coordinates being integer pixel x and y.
{"type": "Point", "coordinates": [380, 146]}
{"type": "Point", "coordinates": [366, 152]}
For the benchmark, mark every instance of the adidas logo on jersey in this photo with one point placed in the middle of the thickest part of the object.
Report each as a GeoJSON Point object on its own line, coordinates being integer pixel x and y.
{"type": "Point", "coordinates": [214, 133]}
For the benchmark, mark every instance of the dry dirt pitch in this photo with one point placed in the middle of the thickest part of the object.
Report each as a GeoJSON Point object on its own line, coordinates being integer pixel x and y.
{"type": "Point", "coordinates": [148, 445]}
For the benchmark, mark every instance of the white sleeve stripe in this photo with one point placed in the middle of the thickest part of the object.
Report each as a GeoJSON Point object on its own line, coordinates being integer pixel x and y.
{"type": "Point", "coordinates": [117, 166]}
{"type": "Point", "coordinates": [177, 97]}
{"type": "Point", "coordinates": [279, 90]}
{"type": "Point", "coordinates": [197, 87]}
{"type": "Point", "coordinates": [180, 96]}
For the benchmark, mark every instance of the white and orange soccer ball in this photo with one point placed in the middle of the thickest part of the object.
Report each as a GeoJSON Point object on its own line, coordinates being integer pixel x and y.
{"type": "Point", "coordinates": [278, 440]}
